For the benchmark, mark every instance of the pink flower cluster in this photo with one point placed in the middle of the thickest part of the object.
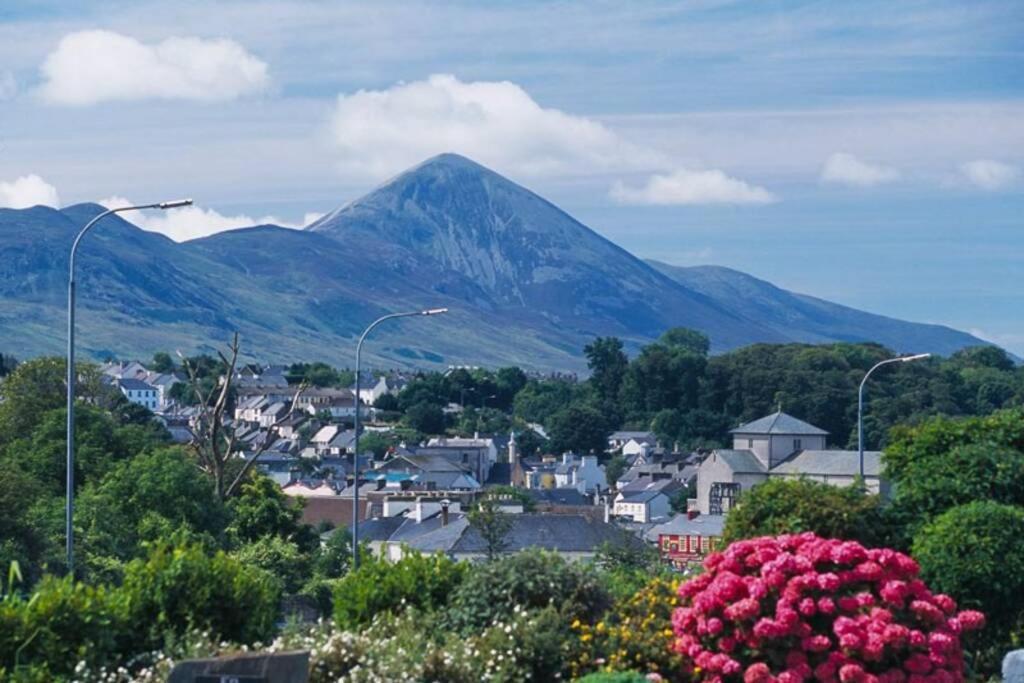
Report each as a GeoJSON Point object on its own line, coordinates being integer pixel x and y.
{"type": "Point", "coordinates": [798, 608]}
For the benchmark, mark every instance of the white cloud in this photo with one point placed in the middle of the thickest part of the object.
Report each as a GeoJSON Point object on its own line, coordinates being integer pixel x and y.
{"type": "Point", "coordinates": [990, 175]}
{"type": "Point", "coordinates": [692, 187]}
{"type": "Point", "coordinates": [98, 66]}
{"type": "Point", "coordinates": [845, 169]}
{"type": "Point", "coordinates": [190, 222]}
{"type": "Point", "coordinates": [26, 191]}
{"type": "Point", "coordinates": [381, 132]}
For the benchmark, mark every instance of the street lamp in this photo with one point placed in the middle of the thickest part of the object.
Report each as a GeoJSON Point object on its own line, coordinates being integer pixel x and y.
{"type": "Point", "coordinates": [355, 457]}
{"type": "Point", "coordinates": [69, 509]}
{"type": "Point", "coordinates": [860, 401]}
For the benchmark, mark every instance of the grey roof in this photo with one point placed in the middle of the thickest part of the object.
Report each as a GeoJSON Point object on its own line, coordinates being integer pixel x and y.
{"type": "Point", "coordinates": [135, 384]}
{"type": "Point", "coordinates": [562, 496]}
{"type": "Point", "coordinates": [426, 463]}
{"type": "Point", "coordinates": [563, 533]}
{"type": "Point", "coordinates": [626, 436]}
{"type": "Point", "coordinates": [378, 528]}
{"type": "Point", "coordinates": [642, 496]}
{"type": "Point", "coordinates": [834, 463]}
{"type": "Point", "coordinates": [740, 461]}
{"type": "Point", "coordinates": [701, 525]}
{"type": "Point", "coordinates": [779, 423]}
{"type": "Point", "coordinates": [648, 484]}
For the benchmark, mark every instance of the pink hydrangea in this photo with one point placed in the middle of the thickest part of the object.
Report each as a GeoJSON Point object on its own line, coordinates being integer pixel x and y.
{"type": "Point", "coordinates": [830, 610]}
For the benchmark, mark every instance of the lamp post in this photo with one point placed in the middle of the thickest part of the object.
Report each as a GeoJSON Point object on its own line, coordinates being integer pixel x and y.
{"type": "Point", "coordinates": [69, 508]}
{"type": "Point", "coordinates": [355, 457]}
{"type": "Point", "coordinates": [860, 401]}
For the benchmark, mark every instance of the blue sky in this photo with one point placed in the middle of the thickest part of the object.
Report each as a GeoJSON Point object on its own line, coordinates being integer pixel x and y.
{"type": "Point", "coordinates": [871, 153]}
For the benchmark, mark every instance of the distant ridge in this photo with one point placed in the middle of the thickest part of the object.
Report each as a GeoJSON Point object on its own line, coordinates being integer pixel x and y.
{"type": "Point", "coordinates": [527, 284]}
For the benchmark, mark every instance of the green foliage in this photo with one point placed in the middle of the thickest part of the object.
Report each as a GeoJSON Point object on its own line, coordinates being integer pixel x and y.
{"type": "Point", "coordinates": [980, 471]}
{"type": "Point", "coordinates": [538, 401]}
{"type": "Point", "coordinates": [264, 510]}
{"type": "Point", "coordinates": [426, 418]}
{"type": "Point", "coordinates": [179, 588]}
{"type": "Point", "coordinates": [513, 494]}
{"type": "Point", "coordinates": [666, 374]}
{"type": "Point", "coordinates": [973, 552]}
{"type": "Point", "coordinates": [144, 499]}
{"type": "Point", "coordinates": [781, 506]}
{"type": "Point", "coordinates": [615, 677]}
{"type": "Point", "coordinates": [162, 362]}
{"type": "Point", "coordinates": [580, 428]}
{"type": "Point", "coordinates": [529, 579]}
{"type": "Point", "coordinates": [615, 468]}
{"type": "Point", "coordinates": [320, 374]}
{"type": "Point", "coordinates": [492, 525]}
{"type": "Point", "coordinates": [282, 559]}
{"type": "Point", "coordinates": [374, 442]}
{"type": "Point", "coordinates": [62, 623]}
{"type": "Point", "coordinates": [608, 364]}
{"type": "Point", "coordinates": [378, 586]}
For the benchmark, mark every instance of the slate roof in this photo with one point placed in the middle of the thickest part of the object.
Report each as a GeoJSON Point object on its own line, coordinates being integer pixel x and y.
{"type": "Point", "coordinates": [135, 384]}
{"type": "Point", "coordinates": [563, 533]}
{"type": "Point", "coordinates": [562, 496]}
{"type": "Point", "coordinates": [701, 525]}
{"type": "Point", "coordinates": [378, 528]}
{"type": "Point", "coordinates": [741, 461]}
{"type": "Point", "coordinates": [779, 423]}
{"type": "Point", "coordinates": [642, 496]}
{"type": "Point", "coordinates": [500, 474]}
{"type": "Point", "coordinates": [836, 463]}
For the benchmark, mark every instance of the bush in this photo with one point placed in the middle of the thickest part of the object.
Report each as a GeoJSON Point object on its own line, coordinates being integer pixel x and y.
{"type": "Point", "coordinates": [791, 607]}
{"type": "Point", "coordinates": [615, 677]}
{"type": "Point", "coordinates": [975, 552]}
{"type": "Point", "coordinates": [280, 558]}
{"type": "Point", "coordinates": [180, 588]}
{"type": "Point", "coordinates": [786, 506]}
{"type": "Point", "coordinates": [531, 579]}
{"type": "Point", "coordinates": [61, 624]}
{"type": "Point", "coordinates": [378, 586]}
{"type": "Point", "coordinates": [635, 633]}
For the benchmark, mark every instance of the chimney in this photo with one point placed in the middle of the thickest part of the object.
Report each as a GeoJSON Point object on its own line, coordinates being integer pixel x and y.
{"type": "Point", "coordinates": [444, 512]}
{"type": "Point", "coordinates": [607, 510]}
{"type": "Point", "coordinates": [692, 514]}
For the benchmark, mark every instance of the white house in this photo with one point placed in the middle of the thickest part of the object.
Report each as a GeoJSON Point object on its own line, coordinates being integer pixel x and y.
{"type": "Point", "coordinates": [466, 442]}
{"type": "Point", "coordinates": [646, 500]}
{"type": "Point", "coordinates": [139, 392]}
{"type": "Point", "coordinates": [779, 445]}
{"type": "Point", "coordinates": [618, 440]}
{"type": "Point", "coordinates": [582, 474]}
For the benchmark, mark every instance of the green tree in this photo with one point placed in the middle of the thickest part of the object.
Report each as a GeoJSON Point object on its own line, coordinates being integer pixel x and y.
{"type": "Point", "coordinates": [539, 400]}
{"type": "Point", "coordinates": [614, 469]}
{"type": "Point", "coordinates": [493, 525]}
{"type": "Point", "coordinates": [263, 510]}
{"type": "Point", "coordinates": [376, 443]}
{"type": "Point", "coordinates": [580, 428]}
{"type": "Point", "coordinates": [686, 339]}
{"type": "Point", "coordinates": [280, 558]}
{"type": "Point", "coordinates": [426, 418]}
{"type": "Point", "coordinates": [162, 362]}
{"type": "Point", "coordinates": [145, 498]}
{"type": "Point", "coordinates": [784, 506]}
{"type": "Point", "coordinates": [608, 364]}
{"type": "Point", "coordinates": [973, 552]}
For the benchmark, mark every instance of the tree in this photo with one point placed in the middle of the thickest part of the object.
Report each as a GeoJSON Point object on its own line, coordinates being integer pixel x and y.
{"type": "Point", "coordinates": [539, 400]}
{"type": "Point", "coordinates": [38, 386]}
{"type": "Point", "coordinates": [580, 428]}
{"type": "Point", "coordinates": [374, 442]}
{"type": "Point", "coordinates": [686, 339]}
{"type": "Point", "coordinates": [493, 526]}
{"type": "Point", "coordinates": [426, 418]}
{"type": "Point", "coordinates": [608, 364]}
{"type": "Point", "coordinates": [973, 552]}
{"type": "Point", "coordinates": [144, 498]}
{"type": "Point", "coordinates": [214, 439]}
{"type": "Point", "coordinates": [614, 469]}
{"type": "Point", "coordinates": [162, 362]}
{"type": "Point", "coordinates": [263, 510]}
{"type": "Point", "coordinates": [932, 484]}
{"type": "Point", "coordinates": [785, 506]}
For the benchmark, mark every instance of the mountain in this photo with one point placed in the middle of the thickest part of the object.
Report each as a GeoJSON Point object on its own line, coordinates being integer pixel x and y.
{"type": "Point", "coordinates": [526, 283]}
{"type": "Point", "coordinates": [814, 320]}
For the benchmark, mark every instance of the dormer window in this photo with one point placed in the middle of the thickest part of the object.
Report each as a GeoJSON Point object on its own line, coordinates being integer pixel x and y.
{"type": "Point", "coordinates": [750, 443]}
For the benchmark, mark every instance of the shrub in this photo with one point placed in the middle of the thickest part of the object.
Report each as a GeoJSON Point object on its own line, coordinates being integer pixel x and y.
{"type": "Point", "coordinates": [791, 607]}
{"type": "Point", "coordinates": [282, 559]}
{"type": "Point", "coordinates": [62, 623]}
{"type": "Point", "coordinates": [532, 579]}
{"type": "Point", "coordinates": [615, 677]}
{"type": "Point", "coordinates": [378, 586]}
{"type": "Point", "coordinates": [785, 506]}
{"type": "Point", "coordinates": [180, 588]}
{"type": "Point", "coordinates": [635, 634]}
{"type": "Point", "coordinates": [974, 552]}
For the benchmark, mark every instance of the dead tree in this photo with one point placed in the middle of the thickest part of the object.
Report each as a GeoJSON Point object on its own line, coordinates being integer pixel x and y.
{"type": "Point", "coordinates": [214, 437]}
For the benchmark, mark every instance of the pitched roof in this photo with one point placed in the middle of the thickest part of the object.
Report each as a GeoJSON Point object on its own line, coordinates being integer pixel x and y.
{"type": "Point", "coordinates": [135, 384]}
{"type": "Point", "coordinates": [627, 435]}
{"type": "Point", "coordinates": [835, 463]}
{"type": "Point", "coordinates": [680, 525]}
{"type": "Point", "coordinates": [779, 423]}
{"type": "Point", "coordinates": [563, 533]}
{"type": "Point", "coordinates": [740, 460]}
{"type": "Point", "coordinates": [559, 496]}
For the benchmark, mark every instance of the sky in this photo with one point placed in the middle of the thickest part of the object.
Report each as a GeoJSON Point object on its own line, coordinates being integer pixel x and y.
{"type": "Point", "coordinates": [870, 153]}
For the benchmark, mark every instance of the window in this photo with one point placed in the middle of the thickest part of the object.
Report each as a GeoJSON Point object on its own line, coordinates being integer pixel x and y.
{"type": "Point", "coordinates": [796, 444]}
{"type": "Point", "coordinates": [750, 443]}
